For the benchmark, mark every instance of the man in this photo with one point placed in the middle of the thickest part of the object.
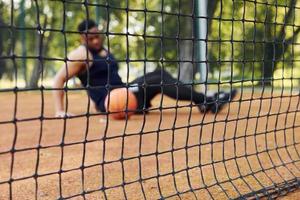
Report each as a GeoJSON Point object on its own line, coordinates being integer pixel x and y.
{"type": "Point", "coordinates": [98, 72]}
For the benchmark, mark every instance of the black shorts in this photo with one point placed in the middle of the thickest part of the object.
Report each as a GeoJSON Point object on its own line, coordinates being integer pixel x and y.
{"type": "Point", "coordinates": [100, 105]}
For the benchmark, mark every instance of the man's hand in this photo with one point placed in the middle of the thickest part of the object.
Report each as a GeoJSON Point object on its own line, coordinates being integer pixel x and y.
{"type": "Point", "coordinates": [63, 114]}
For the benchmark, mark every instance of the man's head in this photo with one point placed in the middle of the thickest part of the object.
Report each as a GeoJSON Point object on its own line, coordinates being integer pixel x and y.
{"type": "Point", "coordinates": [90, 35]}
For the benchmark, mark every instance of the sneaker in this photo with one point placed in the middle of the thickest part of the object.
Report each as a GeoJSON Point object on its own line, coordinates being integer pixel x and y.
{"type": "Point", "coordinates": [222, 98]}
{"type": "Point", "coordinates": [205, 107]}
{"type": "Point", "coordinates": [210, 102]}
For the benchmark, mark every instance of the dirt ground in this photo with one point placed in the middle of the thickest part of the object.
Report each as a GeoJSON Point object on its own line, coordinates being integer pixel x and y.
{"type": "Point", "coordinates": [252, 144]}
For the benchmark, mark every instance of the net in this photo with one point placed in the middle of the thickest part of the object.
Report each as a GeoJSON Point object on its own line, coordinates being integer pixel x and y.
{"type": "Point", "coordinates": [176, 52]}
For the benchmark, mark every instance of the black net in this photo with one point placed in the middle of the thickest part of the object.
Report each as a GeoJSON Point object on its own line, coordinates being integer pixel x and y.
{"type": "Point", "coordinates": [216, 87]}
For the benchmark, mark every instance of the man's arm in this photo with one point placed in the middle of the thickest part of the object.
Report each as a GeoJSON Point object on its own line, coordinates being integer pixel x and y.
{"type": "Point", "coordinates": [78, 60]}
{"type": "Point", "coordinates": [63, 75]}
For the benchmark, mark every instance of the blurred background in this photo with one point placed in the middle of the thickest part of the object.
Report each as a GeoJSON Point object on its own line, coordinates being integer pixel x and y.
{"type": "Point", "coordinates": [248, 43]}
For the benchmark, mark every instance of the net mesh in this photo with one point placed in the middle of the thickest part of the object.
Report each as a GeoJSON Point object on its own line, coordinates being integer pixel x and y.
{"type": "Point", "coordinates": [249, 149]}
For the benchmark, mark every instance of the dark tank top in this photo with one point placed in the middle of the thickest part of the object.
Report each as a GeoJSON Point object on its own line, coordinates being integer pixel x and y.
{"type": "Point", "coordinates": [101, 76]}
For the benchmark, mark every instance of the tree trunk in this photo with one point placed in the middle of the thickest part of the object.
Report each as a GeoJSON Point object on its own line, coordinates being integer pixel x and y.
{"type": "Point", "coordinates": [2, 63]}
{"type": "Point", "coordinates": [37, 68]}
{"type": "Point", "coordinates": [268, 65]}
{"type": "Point", "coordinates": [21, 22]}
{"type": "Point", "coordinates": [41, 49]}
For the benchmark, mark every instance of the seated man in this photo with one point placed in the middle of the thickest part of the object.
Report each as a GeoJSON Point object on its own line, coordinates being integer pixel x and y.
{"type": "Point", "coordinates": [96, 68]}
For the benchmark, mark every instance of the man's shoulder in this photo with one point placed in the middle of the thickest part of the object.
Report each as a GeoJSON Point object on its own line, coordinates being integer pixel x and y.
{"type": "Point", "coordinates": [79, 50]}
{"type": "Point", "coordinates": [79, 53]}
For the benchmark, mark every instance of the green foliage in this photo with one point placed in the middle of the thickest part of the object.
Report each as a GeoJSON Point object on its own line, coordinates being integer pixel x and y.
{"type": "Point", "coordinates": [253, 37]}
{"type": "Point", "coordinates": [240, 33]}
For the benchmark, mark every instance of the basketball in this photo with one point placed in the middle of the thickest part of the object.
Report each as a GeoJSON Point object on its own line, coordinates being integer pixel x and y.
{"type": "Point", "coordinates": [120, 103]}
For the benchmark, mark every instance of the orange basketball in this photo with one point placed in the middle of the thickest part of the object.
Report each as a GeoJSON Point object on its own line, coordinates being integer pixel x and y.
{"type": "Point", "coordinates": [120, 102]}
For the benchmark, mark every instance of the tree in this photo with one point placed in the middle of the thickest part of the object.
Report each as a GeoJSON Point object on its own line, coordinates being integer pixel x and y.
{"type": "Point", "coordinates": [2, 62]}
{"type": "Point", "coordinates": [42, 42]}
{"type": "Point", "coordinates": [21, 23]}
{"type": "Point", "coordinates": [277, 42]}
{"type": "Point", "coordinates": [256, 37]}
{"type": "Point", "coordinates": [258, 34]}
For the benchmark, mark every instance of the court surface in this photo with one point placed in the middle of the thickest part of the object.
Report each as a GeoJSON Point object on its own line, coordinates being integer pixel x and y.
{"type": "Point", "coordinates": [251, 144]}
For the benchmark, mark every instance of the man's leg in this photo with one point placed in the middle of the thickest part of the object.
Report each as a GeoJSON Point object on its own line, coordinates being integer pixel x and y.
{"type": "Point", "coordinates": [161, 81]}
